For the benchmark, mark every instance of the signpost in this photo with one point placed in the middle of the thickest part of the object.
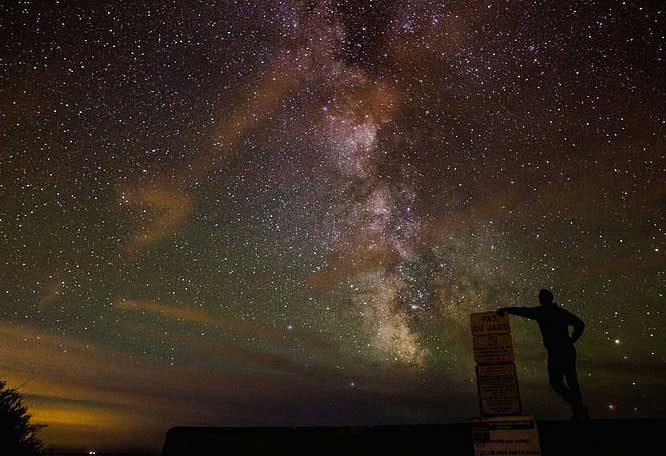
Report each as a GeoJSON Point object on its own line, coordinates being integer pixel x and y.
{"type": "Point", "coordinates": [495, 372]}
{"type": "Point", "coordinates": [501, 431]}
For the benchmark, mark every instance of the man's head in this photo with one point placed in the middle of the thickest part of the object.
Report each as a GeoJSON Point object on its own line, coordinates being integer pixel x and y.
{"type": "Point", "coordinates": [545, 297]}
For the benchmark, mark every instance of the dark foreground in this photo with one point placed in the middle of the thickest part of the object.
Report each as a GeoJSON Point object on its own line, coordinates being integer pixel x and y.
{"type": "Point", "coordinates": [558, 438]}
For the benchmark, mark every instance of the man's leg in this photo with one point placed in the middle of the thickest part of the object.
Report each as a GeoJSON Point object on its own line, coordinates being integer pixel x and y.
{"type": "Point", "coordinates": [555, 376]}
{"type": "Point", "coordinates": [580, 411]}
{"type": "Point", "coordinates": [574, 387]}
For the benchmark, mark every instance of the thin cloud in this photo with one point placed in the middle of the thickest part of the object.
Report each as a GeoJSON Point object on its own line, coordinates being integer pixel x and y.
{"type": "Point", "coordinates": [167, 208]}
{"type": "Point", "coordinates": [236, 327]}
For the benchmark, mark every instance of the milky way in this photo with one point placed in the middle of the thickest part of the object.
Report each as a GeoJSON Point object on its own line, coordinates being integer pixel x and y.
{"type": "Point", "coordinates": [277, 213]}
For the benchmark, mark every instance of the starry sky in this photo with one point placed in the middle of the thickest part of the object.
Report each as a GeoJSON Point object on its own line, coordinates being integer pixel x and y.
{"type": "Point", "coordinates": [283, 212]}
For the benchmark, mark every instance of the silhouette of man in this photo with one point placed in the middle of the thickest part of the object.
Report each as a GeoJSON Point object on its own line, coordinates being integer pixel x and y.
{"type": "Point", "coordinates": [554, 322]}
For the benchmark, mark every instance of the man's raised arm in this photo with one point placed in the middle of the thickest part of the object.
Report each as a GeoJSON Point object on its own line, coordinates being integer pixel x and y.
{"type": "Point", "coordinates": [525, 312]}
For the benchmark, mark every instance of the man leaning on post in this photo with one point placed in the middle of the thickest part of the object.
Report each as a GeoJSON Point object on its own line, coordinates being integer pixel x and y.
{"type": "Point", "coordinates": [554, 322]}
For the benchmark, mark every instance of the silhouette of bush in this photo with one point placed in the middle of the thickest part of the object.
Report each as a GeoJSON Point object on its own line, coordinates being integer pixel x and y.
{"type": "Point", "coordinates": [17, 436]}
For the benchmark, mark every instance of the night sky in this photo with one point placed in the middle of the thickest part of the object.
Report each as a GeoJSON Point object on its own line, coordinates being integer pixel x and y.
{"type": "Point", "coordinates": [283, 212]}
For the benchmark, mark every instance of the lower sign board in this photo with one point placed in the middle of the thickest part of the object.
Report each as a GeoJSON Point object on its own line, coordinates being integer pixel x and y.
{"type": "Point", "coordinates": [498, 389]}
{"type": "Point", "coordinates": [493, 348]}
{"type": "Point", "coordinates": [506, 436]}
